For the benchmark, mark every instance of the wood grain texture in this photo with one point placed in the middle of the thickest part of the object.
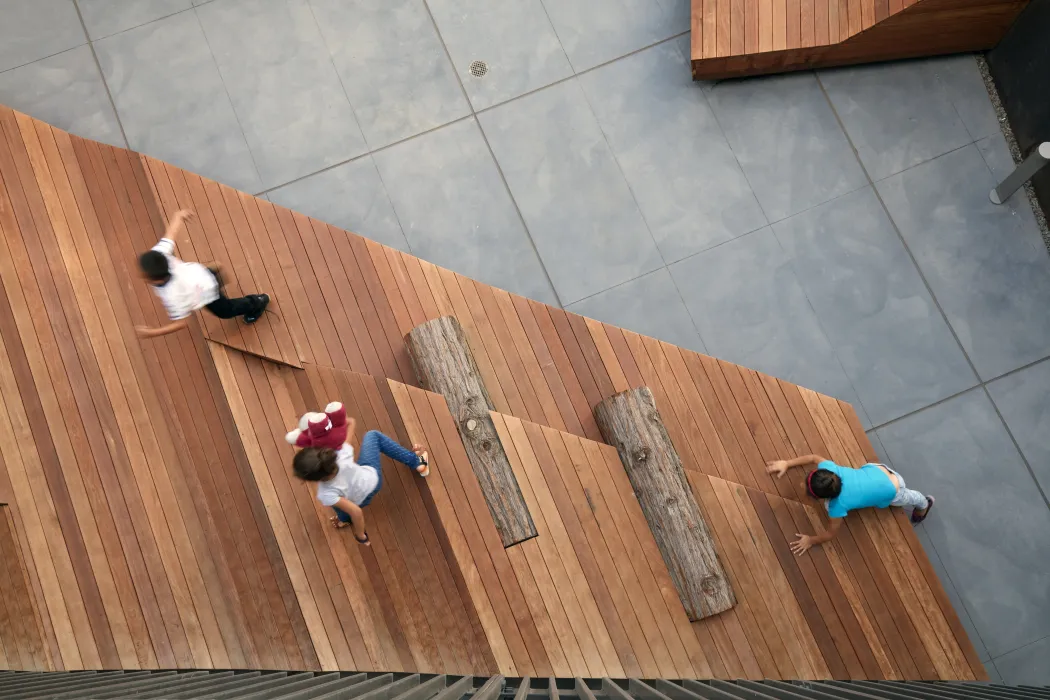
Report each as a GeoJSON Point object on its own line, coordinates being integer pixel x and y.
{"type": "Point", "coordinates": [806, 34]}
{"type": "Point", "coordinates": [159, 525]}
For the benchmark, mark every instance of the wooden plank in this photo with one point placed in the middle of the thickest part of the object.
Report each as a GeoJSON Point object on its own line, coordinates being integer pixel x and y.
{"type": "Point", "coordinates": [490, 556]}
{"type": "Point", "coordinates": [580, 396]}
{"type": "Point", "coordinates": [780, 10]}
{"type": "Point", "coordinates": [154, 560]}
{"type": "Point", "coordinates": [566, 491]}
{"type": "Point", "coordinates": [735, 498]}
{"type": "Point", "coordinates": [737, 31]}
{"type": "Point", "coordinates": [765, 639]}
{"type": "Point", "coordinates": [446, 280]}
{"type": "Point", "coordinates": [629, 574]}
{"type": "Point", "coordinates": [751, 26]}
{"type": "Point", "coordinates": [567, 419]}
{"type": "Point", "coordinates": [433, 580]}
{"type": "Point", "coordinates": [815, 616]}
{"type": "Point", "coordinates": [921, 560]}
{"type": "Point", "coordinates": [944, 652]}
{"type": "Point", "coordinates": [584, 621]}
{"type": "Point", "coordinates": [469, 581]}
{"type": "Point", "coordinates": [822, 20]}
{"type": "Point", "coordinates": [838, 616]}
{"type": "Point", "coordinates": [793, 18]}
{"type": "Point", "coordinates": [594, 382]}
{"type": "Point", "coordinates": [719, 399]}
{"type": "Point", "coordinates": [723, 21]}
{"type": "Point", "coordinates": [515, 365]}
{"type": "Point", "coordinates": [172, 485]}
{"type": "Point", "coordinates": [765, 25]}
{"type": "Point", "coordinates": [808, 22]}
{"type": "Point", "coordinates": [536, 584]}
{"type": "Point", "coordinates": [550, 413]}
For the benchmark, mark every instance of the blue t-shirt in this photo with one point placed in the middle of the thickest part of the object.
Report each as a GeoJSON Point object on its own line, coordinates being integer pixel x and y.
{"type": "Point", "coordinates": [866, 487]}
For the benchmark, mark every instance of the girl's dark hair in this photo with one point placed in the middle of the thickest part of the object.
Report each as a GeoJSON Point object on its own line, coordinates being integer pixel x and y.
{"type": "Point", "coordinates": [314, 463]}
{"type": "Point", "coordinates": [154, 265]}
{"type": "Point", "coordinates": [824, 483]}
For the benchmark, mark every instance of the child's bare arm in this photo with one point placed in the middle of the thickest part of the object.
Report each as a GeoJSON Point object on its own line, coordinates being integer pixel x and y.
{"type": "Point", "coordinates": [147, 332]}
{"type": "Point", "coordinates": [804, 542]}
{"type": "Point", "coordinates": [357, 520]}
{"type": "Point", "coordinates": [176, 223]}
{"type": "Point", "coordinates": [351, 426]}
{"type": "Point", "coordinates": [782, 465]}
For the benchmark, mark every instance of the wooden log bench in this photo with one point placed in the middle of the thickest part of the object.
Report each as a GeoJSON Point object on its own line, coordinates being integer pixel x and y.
{"type": "Point", "coordinates": [630, 422]}
{"type": "Point", "coordinates": [444, 365]}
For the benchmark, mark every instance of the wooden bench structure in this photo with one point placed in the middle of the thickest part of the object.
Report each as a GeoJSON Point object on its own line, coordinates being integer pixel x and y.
{"type": "Point", "coordinates": [735, 38]}
{"type": "Point", "coordinates": [160, 527]}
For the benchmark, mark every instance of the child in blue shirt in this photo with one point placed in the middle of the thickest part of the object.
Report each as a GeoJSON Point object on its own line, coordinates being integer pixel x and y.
{"type": "Point", "coordinates": [844, 489]}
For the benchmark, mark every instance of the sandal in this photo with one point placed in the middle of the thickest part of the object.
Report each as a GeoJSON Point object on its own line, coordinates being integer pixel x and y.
{"type": "Point", "coordinates": [337, 523]}
{"type": "Point", "coordinates": [916, 517]}
{"type": "Point", "coordinates": [424, 467]}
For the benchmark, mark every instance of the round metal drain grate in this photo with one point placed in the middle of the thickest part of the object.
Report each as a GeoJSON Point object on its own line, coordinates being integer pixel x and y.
{"type": "Point", "coordinates": [479, 68]}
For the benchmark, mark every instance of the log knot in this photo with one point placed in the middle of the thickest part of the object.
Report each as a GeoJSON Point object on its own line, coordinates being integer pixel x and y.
{"type": "Point", "coordinates": [641, 455]}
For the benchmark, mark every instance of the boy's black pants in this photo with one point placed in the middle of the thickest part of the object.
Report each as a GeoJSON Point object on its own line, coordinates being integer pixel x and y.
{"type": "Point", "coordinates": [224, 307]}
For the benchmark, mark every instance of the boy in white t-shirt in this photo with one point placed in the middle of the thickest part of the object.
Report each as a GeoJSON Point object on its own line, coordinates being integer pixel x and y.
{"type": "Point", "coordinates": [184, 287]}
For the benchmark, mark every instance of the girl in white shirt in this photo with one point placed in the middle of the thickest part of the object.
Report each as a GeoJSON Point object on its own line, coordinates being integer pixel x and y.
{"type": "Point", "coordinates": [347, 486]}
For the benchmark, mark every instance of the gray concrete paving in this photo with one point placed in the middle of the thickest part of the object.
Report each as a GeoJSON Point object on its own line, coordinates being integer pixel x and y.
{"type": "Point", "coordinates": [831, 228]}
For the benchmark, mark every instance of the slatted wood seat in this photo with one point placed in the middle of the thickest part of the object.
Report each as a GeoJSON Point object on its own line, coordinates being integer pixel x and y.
{"type": "Point", "coordinates": [160, 526]}
{"type": "Point", "coordinates": [734, 38]}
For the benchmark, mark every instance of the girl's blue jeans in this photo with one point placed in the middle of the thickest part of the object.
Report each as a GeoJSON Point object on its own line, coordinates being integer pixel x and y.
{"type": "Point", "coordinates": [374, 444]}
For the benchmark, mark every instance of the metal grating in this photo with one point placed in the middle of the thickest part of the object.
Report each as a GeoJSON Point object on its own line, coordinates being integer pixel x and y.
{"type": "Point", "coordinates": [281, 685]}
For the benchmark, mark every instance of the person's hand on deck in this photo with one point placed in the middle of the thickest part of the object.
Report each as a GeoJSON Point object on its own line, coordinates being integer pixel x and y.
{"type": "Point", "coordinates": [802, 544]}
{"type": "Point", "coordinates": [777, 468]}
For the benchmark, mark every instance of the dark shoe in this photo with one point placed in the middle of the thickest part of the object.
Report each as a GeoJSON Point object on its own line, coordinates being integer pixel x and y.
{"type": "Point", "coordinates": [917, 517]}
{"type": "Point", "coordinates": [261, 300]}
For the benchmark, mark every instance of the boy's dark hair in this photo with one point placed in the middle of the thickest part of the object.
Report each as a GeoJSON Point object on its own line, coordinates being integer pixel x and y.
{"type": "Point", "coordinates": [154, 265]}
{"type": "Point", "coordinates": [314, 463]}
{"type": "Point", "coordinates": [823, 483]}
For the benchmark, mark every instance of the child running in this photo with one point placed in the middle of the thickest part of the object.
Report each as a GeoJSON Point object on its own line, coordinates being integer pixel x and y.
{"type": "Point", "coordinates": [844, 489]}
{"type": "Point", "coordinates": [348, 486]}
{"type": "Point", "coordinates": [184, 287]}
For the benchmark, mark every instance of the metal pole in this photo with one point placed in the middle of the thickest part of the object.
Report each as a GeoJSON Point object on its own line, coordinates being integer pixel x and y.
{"type": "Point", "coordinates": [1021, 174]}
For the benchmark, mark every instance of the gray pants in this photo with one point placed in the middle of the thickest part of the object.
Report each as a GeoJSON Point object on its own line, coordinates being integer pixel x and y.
{"type": "Point", "coordinates": [906, 498]}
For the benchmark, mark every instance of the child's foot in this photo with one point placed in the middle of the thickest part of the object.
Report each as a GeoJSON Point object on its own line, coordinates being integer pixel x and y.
{"type": "Point", "coordinates": [917, 516]}
{"type": "Point", "coordinates": [261, 301]}
{"type": "Point", "coordinates": [424, 467]}
{"type": "Point", "coordinates": [337, 523]}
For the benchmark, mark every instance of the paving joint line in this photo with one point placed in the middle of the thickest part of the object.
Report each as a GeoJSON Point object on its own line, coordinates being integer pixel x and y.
{"type": "Point", "coordinates": [492, 154]}
{"type": "Point", "coordinates": [102, 76]}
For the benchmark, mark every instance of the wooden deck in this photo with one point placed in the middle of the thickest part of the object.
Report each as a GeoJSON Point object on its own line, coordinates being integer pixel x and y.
{"type": "Point", "coordinates": [152, 504]}
{"type": "Point", "coordinates": [734, 38]}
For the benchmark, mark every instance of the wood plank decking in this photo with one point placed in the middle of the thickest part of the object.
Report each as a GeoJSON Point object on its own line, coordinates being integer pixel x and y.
{"type": "Point", "coordinates": [152, 504]}
{"type": "Point", "coordinates": [734, 38]}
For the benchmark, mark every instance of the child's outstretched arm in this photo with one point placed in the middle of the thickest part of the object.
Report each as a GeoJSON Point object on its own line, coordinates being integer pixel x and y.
{"type": "Point", "coordinates": [147, 332]}
{"type": "Point", "coordinates": [780, 466]}
{"type": "Point", "coordinates": [804, 542]}
{"type": "Point", "coordinates": [177, 222]}
{"type": "Point", "coordinates": [357, 520]}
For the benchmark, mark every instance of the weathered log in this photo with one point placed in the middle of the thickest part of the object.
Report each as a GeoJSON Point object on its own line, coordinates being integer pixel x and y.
{"type": "Point", "coordinates": [444, 365]}
{"type": "Point", "coordinates": [629, 421]}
